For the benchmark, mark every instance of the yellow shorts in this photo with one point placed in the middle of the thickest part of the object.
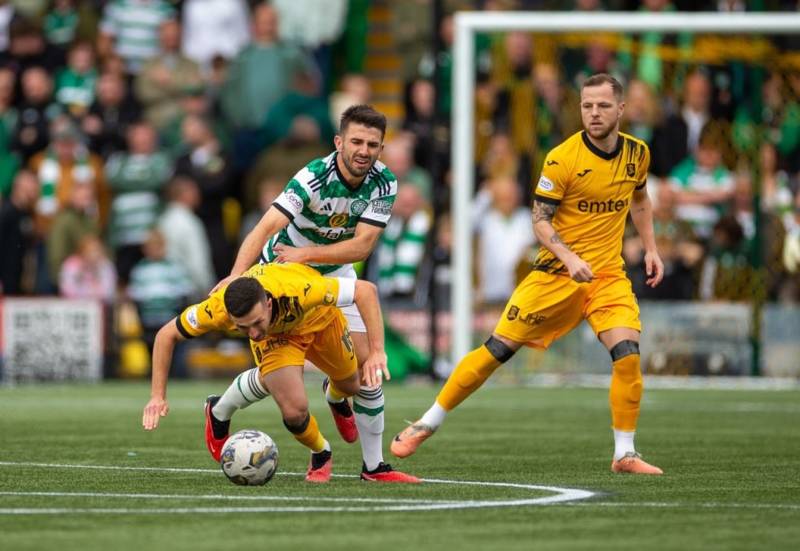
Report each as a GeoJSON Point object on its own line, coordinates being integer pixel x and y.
{"type": "Point", "coordinates": [330, 349]}
{"type": "Point", "coordinates": [545, 307]}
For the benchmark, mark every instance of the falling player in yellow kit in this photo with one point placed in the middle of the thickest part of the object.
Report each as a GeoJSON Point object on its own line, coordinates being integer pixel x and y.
{"type": "Point", "coordinates": [588, 185]}
{"type": "Point", "coordinates": [290, 312]}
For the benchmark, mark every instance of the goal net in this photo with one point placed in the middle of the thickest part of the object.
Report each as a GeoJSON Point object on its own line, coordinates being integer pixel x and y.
{"type": "Point", "coordinates": [717, 98]}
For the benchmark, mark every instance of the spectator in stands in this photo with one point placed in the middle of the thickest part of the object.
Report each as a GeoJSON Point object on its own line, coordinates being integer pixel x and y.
{"type": "Point", "coordinates": [557, 109]}
{"type": "Point", "coordinates": [412, 30]}
{"type": "Point", "coordinates": [159, 287]}
{"type": "Point", "coordinates": [420, 120]}
{"type": "Point", "coordinates": [354, 89]}
{"type": "Point", "coordinates": [516, 111]}
{"type": "Point", "coordinates": [7, 13]}
{"type": "Point", "coordinates": [268, 190]}
{"type": "Point", "coordinates": [314, 26]}
{"type": "Point", "coordinates": [61, 23]}
{"type": "Point", "coordinates": [75, 84]}
{"type": "Point", "coordinates": [166, 77]}
{"type": "Point", "coordinates": [214, 28]}
{"type": "Point", "coordinates": [210, 167]}
{"type": "Point", "coordinates": [791, 248]}
{"type": "Point", "coordinates": [77, 219]}
{"type": "Point", "coordinates": [193, 102]}
{"type": "Point", "coordinates": [402, 244]}
{"type": "Point", "coordinates": [110, 115]}
{"type": "Point", "coordinates": [260, 75]}
{"type": "Point", "coordinates": [27, 48]}
{"type": "Point", "coordinates": [597, 57]}
{"type": "Point", "coordinates": [506, 222]}
{"type": "Point", "coordinates": [282, 159]}
{"type": "Point", "coordinates": [398, 156]}
{"type": "Point", "coordinates": [777, 190]}
{"type": "Point", "coordinates": [89, 273]}
{"type": "Point", "coordinates": [9, 160]}
{"type": "Point", "coordinates": [67, 163]}
{"type": "Point", "coordinates": [702, 186]}
{"type": "Point", "coordinates": [679, 135]}
{"type": "Point", "coordinates": [303, 100]}
{"type": "Point", "coordinates": [781, 117]}
{"type": "Point", "coordinates": [130, 29]}
{"type": "Point", "coordinates": [187, 244]}
{"type": "Point", "coordinates": [16, 231]}
{"type": "Point", "coordinates": [136, 178]}
{"type": "Point", "coordinates": [36, 112]}
{"type": "Point", "coordinates": [641, 111]}
{"type": "Point", "coordinates": [678, 247]}
{"type": "Point", "coordinates": [500, 160]}
{"type": "Point", "coordinates": [727, 272]}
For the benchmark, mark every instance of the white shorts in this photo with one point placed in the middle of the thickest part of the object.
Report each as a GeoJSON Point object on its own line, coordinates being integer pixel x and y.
{"type": "Point", "coordinates": [351, 313]}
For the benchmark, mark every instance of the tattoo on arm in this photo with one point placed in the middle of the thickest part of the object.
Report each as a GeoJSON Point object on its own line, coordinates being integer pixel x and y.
{"type": "Point", "coordinates": [543, 211]}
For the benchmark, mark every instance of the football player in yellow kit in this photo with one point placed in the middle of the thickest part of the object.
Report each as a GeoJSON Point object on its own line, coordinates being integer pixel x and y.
{"type": "Point", "coordinates": [589, 184]}
{"type": "Point", "coordinates": [290, 312]}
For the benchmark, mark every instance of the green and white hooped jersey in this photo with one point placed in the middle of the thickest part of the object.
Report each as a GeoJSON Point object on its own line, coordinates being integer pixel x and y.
{"type": "Point", "coordinates": [322, 209]}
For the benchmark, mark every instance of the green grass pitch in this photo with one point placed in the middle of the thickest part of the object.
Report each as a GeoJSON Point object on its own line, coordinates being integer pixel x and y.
{"type": "Point", "coordinates": [731, 458]}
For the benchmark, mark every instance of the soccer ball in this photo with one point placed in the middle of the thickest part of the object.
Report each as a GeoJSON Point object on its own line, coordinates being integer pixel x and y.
{"type": "Point", "coordinates": [249, 458]}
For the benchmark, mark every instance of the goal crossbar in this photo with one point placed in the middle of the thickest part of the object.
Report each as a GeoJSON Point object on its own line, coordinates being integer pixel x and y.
{"type": "Point", "coordinates": [462, 124]}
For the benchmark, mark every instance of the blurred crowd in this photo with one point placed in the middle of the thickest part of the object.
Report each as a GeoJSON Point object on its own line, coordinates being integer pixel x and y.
{"type": "Point", "coordinates": [140, 140]}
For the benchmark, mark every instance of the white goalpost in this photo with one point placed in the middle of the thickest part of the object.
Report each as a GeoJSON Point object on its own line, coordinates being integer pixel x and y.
{"type": "Point", "coordinates": [462, 147]}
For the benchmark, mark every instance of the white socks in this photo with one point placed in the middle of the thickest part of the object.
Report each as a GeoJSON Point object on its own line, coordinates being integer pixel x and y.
{"type": "Point", "coordinates": [368, 409]}
{"type": "Point", "coordinates": [623, 443]}
{"type": "Point", "coordinates": [434, 416]}
{"type": "Point", "coordinates": [245, 389]}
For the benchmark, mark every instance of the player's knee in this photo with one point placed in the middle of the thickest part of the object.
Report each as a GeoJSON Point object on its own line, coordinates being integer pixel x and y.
{"type": "Point", "coordinates": [623, 349]}
{"type": "Point", "coordinates": [296, 422]}
{"type": "Point", "coordinates": [500, 350]}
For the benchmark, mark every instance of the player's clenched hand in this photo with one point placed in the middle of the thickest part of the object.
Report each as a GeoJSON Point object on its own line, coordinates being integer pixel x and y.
{"type": "Point", "coordinates": [375, 368]}
{"type": "Point", "coordinates": [285, 253]}
{"type": "Point", "coordinates": [579, 270]}
{"type": "Point", "coordinates": [222, 284]}
{"type": "Point", "coordinates": [654, 268]}
{"type": "Point", "coordinates": [153, 411]}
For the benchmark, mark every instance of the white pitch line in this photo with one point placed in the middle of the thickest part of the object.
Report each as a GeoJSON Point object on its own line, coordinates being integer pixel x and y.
{"type": "Point", "coordinates": [216, 497]}
{"type": "Point", "coordinates": [706, 505]}
{"type": "Point", "coordinates": [562, 495]}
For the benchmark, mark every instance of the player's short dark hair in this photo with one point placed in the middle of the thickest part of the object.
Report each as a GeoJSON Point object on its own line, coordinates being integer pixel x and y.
{"type": "Point", "coordinates": [365, 115]}
{"type": "Point", "coordinates": [604, 78]}
{"type": "Point", "coordinates": [242, 295]}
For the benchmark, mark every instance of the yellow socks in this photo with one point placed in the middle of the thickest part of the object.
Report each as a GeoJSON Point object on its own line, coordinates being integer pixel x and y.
{"type": "Point", "coordinates": [625, 392]}
{"type": "Point", "coordinates": [470, 373]}
{"type": "Point", "coordinates": [309, 435]}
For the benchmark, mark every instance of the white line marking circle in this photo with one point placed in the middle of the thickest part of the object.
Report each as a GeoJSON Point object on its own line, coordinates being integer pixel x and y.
{"type": "Point", "coordinates": [562, 495]}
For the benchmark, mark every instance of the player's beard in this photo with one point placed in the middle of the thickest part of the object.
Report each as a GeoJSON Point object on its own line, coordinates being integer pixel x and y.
{"type": "Point", "coordinates": [602, 132]}
{"type": "Point", "coordinates": [355, 170]}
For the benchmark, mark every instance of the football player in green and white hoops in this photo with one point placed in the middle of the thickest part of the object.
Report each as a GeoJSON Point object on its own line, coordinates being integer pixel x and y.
{"type": "Point", "coordinates": [329, 216]}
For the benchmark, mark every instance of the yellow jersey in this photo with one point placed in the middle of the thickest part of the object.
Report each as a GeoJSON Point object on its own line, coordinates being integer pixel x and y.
{"type": "Point", "coordinates": [593, 190]}
{"type": "Point", "coordinates": [303, 302]}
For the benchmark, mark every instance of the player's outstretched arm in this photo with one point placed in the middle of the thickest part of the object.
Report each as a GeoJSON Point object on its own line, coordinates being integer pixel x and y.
{"type": "Point", "coordinates": [375, 366]}
{"type": "Point", "coordinates": [166, 339]}
{"type": "Point", "coordinates": [642, 216]}
{"type": "Point", "coordinates": [344, 252]}
{"type": "Point", "coordinates": [548, 237]}
{"type": "Point", "coordinates": [271, 223]}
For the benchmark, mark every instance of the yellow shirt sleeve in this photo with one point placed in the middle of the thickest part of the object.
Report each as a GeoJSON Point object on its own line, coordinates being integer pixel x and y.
{"type": "Point", "coordinates": [552, 184]}
{"type": "Point", "coordinates": [325, 291]}
{"type": "Point", "coordinates": [203, 318]}
{"type": "Point", "coordinates": [644, 167]}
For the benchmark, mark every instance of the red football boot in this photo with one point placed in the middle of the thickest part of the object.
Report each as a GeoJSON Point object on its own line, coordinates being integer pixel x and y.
{"type": "Point", "coordinates": [385, 473]}
{"type": "Point", "coordinates": [342, 416]}
{"type": "Point", "coordinates": [320, 467]}
{"type": "Point", "coordinates": [217, 431]}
